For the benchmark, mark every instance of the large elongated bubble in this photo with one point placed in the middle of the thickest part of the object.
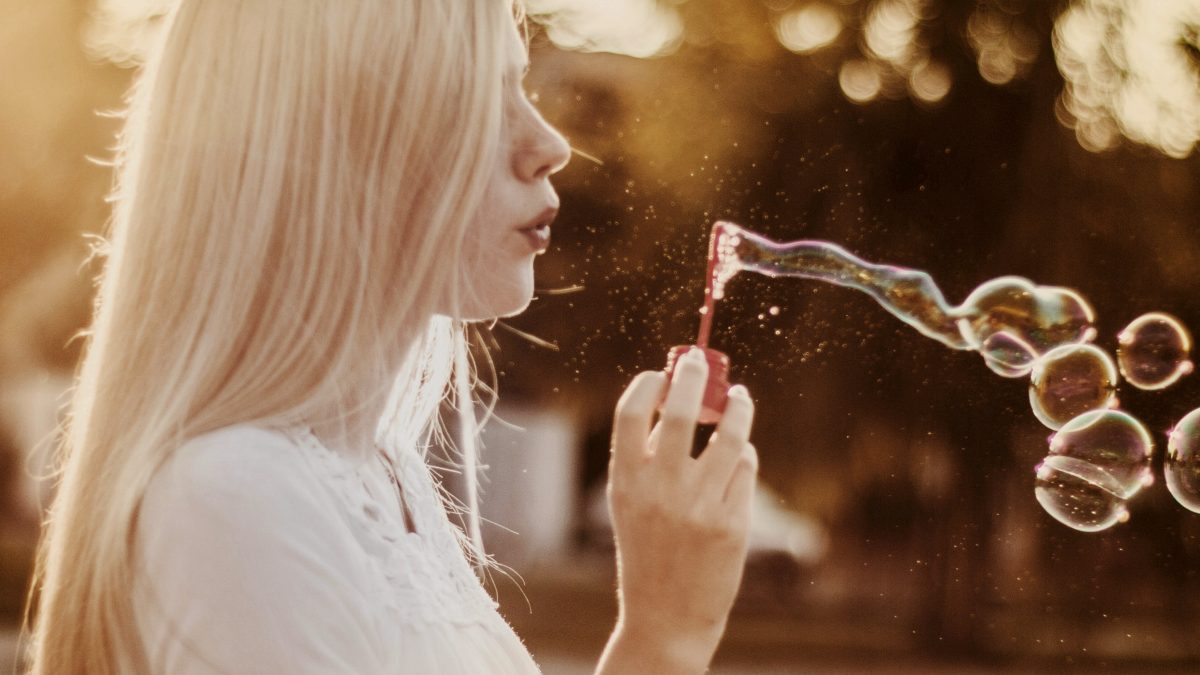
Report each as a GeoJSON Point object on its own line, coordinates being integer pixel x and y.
{"type": "Point", "coordinates": [1010, 321]}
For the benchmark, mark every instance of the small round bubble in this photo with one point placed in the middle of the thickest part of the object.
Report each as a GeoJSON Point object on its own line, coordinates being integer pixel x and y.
{"type": "Point", "coordinates": [1114, 441]}
{"type": "Point", "coordinates": [1079, 494]}
{"type": "Point", "coordinates": [1070, 380]}
{"type": "Point", "coordinates": [1153, 352]}
{"type": "Point", "coordinates": [1182, 465]}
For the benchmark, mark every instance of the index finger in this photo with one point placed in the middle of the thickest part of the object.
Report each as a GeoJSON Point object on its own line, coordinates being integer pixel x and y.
{"type": "Point", "coordinates": [635, 412]}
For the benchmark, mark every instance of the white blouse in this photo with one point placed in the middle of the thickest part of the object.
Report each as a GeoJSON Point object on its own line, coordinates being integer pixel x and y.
{"type": "Point", "coordinates": [262, 551]}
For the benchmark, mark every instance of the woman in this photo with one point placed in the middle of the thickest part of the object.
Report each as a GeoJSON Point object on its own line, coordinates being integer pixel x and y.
{"type": "Point", "coordinates": [313, 200]}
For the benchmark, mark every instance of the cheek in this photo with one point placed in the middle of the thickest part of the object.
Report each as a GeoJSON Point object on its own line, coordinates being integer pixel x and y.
{"type": "Point", "coordinates": [496, 274]}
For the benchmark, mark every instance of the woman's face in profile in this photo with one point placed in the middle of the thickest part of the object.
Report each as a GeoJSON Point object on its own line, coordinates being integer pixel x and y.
{"type": "Point", "coordinates": [513, 225]}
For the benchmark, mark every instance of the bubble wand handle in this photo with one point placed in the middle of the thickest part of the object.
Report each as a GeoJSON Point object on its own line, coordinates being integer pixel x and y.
{"type": "Point", "coordinates": [706, 314]}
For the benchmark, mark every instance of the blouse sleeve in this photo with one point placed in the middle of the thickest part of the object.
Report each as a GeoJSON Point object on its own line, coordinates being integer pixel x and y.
{"type": "Point", "coordinates": [244, 568]}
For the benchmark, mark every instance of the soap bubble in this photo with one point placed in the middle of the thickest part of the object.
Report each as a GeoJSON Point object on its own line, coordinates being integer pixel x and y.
{"type": "Point", "coordinates": [1012, 322]}
{"type": "Point", "coordinates": [1097, 462]}
{"type": "Point", "coordinates": [1079, 494]}
{"type": "Point", "coordinates": [1153, 351]}
{"type": "Point", "coordinates": [1070, 380]}
{"type": "Point", "coordinates": [1007, 355]}
{"type": "Point", "coordinates": [1182, 465]}
{"type": "Point", "coordinates": [1009, 320]}
{"type": "Point", "coordinates": [1114, 441]}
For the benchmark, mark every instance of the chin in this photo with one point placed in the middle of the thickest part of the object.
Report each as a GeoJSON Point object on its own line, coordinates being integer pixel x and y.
{"type": "Point", "coordinates": [500, 300]}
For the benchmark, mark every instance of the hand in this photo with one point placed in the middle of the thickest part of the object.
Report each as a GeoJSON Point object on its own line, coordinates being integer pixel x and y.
{"type": "Point", "coordinates": [681, 523]}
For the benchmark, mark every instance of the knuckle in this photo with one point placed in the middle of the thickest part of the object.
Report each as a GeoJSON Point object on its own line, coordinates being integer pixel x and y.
{"type": "Point", "coordinates": [733, 530]}
{"type": "Point", "coordinates": [719, 529]}
{"type": "Point", "coordinates": [619, 502]}
{"type": "Point", "coordinates": [675, 419]}
{"type": "Point", "coordinates": [698, 521]}
{"type": "Point", "coordinates": [748, 461]}
{"type": "Point", "coordinates": [628, 416]}
{"type": "Point", "coordinates": [655, 510]}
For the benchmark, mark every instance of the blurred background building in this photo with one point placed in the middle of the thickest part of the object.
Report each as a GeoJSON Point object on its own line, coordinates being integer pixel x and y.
{"type": "Point", "coordinates": [1052, 139]}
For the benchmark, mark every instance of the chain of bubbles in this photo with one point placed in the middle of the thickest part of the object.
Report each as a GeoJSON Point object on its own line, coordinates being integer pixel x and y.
{"type": "Point", "coordinates": [1099, 455]}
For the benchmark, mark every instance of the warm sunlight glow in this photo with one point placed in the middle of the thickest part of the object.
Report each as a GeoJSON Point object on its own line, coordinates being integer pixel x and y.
{"type": "Point", "coordinates": [122, 31]}
{"type": "Point", "coordinates": [1005, 48]}
{"type": "Point", "coordinates": [640, 28]}
{"type": "Point", "coordinates": [930, 81]}
{"type": "Point", "coordinates": [1132, 68]}
{"type": "Point", "coordinates": [890, 31]}
{"type": "Point", "coordinates": [860, 80]}
{"type": "Point", "coordinates": [809, 28]}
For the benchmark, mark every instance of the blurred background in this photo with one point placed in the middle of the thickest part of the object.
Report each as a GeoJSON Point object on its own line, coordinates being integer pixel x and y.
{"type": "Point", "coordinates": [897, 529]}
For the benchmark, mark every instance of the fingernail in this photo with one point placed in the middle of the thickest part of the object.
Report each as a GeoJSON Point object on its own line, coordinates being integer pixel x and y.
{"type": "Point", "coordinates": [696, 354]}
{"type": "Point", "coordinates": [739, 390]}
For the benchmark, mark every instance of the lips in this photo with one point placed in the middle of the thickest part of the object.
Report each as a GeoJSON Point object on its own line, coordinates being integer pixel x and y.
{"type": "Point", "coordinates": [537, 231]}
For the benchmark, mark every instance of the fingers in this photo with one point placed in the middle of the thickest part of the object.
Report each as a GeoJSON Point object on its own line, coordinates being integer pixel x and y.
{"type": "Point", "coordinates": [635, 411]}
{"type": "Point", "coordinates": [739, 493]}
{"type": "Point", "coordinates": [725, 447]}
{"type": "Point", "coordinates": [677, 427]}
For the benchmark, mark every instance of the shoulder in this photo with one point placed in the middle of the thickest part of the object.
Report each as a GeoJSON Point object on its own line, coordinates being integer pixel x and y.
{"type": "Point", "coordinates": [239, 482]}
{"type": "Point", "coordinates": [231, 465]}
{"type": "Point", "coordinates": [242, 549]}
{"type": "Point", "coordinates": [239, 453]}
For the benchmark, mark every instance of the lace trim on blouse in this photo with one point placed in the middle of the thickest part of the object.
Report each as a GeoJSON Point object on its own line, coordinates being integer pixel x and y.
{"type": "Point", "coordinates": [424, 575]}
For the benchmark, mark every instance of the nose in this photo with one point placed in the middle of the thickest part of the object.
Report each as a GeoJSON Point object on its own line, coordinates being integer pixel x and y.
{"type": "Point", "coordinates": [545, 153]}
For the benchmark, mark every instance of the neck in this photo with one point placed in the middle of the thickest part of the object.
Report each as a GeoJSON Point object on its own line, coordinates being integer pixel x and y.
{"type": "Point", "coordinates": [350, 429]}
{"type": "Point", "coordinates": [351, 433]}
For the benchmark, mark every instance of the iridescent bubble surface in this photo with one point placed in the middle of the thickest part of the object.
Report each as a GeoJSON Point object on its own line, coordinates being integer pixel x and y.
{"type": "Point", "coordinates": [1007, 355]}
{"type": "Point", "coordinates": [1181, 467]}
{"type": "Point", "coordinates": [1097, 462]}
{"type": "Point", "coordinates": [1112, 440]}
{"type": "Point", "coordinates": [910, 295]}
{"type": "Point", "coordinates": [1070, 380]}
{"type": "Point", "coordinates": [1010, 321]}
{"type": "Point", "coordinates": [1027, 319]}
{"type": "Point", "coordinates": [1153, 351]}
{"type": "Point", "coordinates": [1079, 494]}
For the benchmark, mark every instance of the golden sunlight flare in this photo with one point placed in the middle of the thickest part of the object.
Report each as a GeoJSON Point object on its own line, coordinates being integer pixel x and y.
{"type": "Point", "coordinates": [122, 31]}
{"type": "Point", "coordinates": [1005, 48]}
{"type": "Point", "coordinates": [1132, 69]}
{"type": "Point", "coordinates": [896, 60]}
{"type": "Point", "coordinates": [929, 82]}
{"type": "Point", "coordinates": [891, 30]}
{"type": "Point", "coordinates": [859, 80]}
{"type": "Point", "coordinates": [640, 28]}
{"type": "Point", "coordinates": [808, 28]}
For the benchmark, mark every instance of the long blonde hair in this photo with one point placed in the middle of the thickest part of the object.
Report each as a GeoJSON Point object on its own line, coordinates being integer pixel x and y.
{"type": "Point", "coordinates": [294, 182]}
